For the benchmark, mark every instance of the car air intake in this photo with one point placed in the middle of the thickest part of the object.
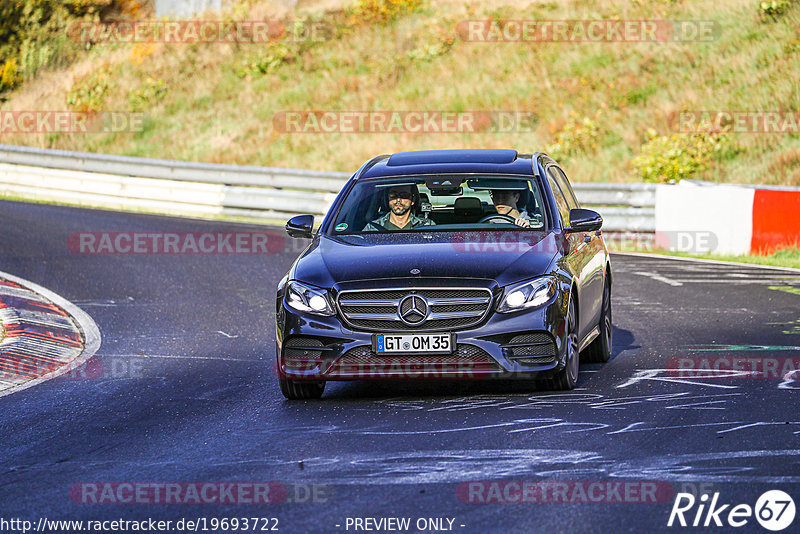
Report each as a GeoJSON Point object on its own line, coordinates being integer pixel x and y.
{"type": "Point", "coordinates": [302, 354]}
{"type": "Point", "coordinates": [535, 348]}
{"type": "Point", "coordinates": [468, 361]}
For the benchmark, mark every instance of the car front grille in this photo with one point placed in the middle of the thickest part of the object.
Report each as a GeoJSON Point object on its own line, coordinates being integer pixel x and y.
{"type": "Point", "coordinates": [380, 310]}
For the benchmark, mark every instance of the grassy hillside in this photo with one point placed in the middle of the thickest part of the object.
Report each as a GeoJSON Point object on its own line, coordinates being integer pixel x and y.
{"type": "Point", "coordinates": [602, 108]}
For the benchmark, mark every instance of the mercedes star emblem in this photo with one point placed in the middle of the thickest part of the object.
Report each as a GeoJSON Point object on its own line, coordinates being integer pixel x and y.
{"type": "Point", "coordinates": [413, 310]}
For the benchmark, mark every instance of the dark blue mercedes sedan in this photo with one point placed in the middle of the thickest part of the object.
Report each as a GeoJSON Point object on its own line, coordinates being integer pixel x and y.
{"type": "Point", "coordinates": [446, 264]}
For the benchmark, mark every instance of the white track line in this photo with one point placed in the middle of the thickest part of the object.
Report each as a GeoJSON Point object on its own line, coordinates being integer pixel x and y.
{"type": "Point", "coordinates": [659, 278]}
{"type": "Point", "coordinates": [87, 326]}
{"type": "Point", "coordinates": [701, 260]}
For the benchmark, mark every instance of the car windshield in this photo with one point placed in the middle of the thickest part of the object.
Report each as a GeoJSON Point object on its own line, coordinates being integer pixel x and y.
{"type": "Point", "coordinates": [441, 203]}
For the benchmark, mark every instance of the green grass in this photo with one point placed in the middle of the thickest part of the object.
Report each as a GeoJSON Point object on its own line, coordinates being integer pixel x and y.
{"type": "Point", "coordinates": [216, 110]}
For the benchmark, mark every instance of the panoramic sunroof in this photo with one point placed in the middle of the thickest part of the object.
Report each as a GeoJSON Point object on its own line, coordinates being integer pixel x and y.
{"type": "Point", "coordinates": [427, 157]}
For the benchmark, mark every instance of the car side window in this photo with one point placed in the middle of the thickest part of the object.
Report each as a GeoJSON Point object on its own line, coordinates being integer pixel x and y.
{"type": "Point", "coordinates": [566, 188]}
{"type": "Point", "coordinates": [561, 201]}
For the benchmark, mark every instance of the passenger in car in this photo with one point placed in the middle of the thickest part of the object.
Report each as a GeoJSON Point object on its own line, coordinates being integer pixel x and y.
{"type": "Point", "coordinates": [505, 202]}
{"type": "Point", "coordinates": [401, 200]}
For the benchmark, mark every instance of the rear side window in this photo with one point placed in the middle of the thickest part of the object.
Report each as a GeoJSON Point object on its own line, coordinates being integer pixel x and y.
{"type": "Point", "coordinates": [561, 178]}
{"type": "Point", "coordinates": [561, 201]}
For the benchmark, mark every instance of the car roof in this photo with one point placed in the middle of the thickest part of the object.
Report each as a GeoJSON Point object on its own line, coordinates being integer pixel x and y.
{"type": "Point", "coordinates": [466, 161]}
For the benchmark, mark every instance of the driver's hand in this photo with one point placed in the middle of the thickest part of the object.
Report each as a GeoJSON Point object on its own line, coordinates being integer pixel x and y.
{"type": "Point", "coordinates": [522, 222]}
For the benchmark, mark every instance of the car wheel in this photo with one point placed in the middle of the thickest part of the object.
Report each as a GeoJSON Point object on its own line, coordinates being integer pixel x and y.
{"type": "Point", "coordinates": [568, 376]}
{"type": "Point", "coordinates": [599, 351]}
{"type": "Point", "coordinates": [295, 390]}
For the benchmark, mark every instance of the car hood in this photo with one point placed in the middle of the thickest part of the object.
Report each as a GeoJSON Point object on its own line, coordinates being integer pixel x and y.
{"type": "Point", "coordinates": [505, 257]}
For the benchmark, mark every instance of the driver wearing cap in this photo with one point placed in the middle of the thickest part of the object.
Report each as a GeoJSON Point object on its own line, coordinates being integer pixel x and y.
{"type": "Point", "coordinates": [505, 202]}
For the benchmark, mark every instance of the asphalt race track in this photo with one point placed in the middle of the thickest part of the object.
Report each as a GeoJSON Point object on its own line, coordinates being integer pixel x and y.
{"type": "Point", "coordinates": [183, 390]}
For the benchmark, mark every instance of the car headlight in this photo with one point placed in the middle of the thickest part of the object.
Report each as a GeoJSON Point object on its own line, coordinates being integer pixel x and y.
{"type": "Point", "coordinates": [532, 294]}
{"type": "Point", "coordinates": [304, 298]}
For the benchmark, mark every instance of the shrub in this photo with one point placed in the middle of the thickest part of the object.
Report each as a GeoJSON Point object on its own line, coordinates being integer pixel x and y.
{"type": "Point", "coordinates": [435, 42]}
{"type": "Point", "coordinates": [33, 33]}
{"type": "Point", "coordinates": [380, 11]}
{"type": "Point", "coordinates": [680, 156]}
{"type": "Point", "coordinates": [89, 93]}
{"type": "Point", "coordinates": [141, 51]}
{"type": "Point", "coordinates": [150, 92]}
{"type": "Point", "coordinates": [577, 137]}
{"type": "Point", "coordinates": [9, 75]}
{"type": "Point", "coordinates": [275, 55]}
{"type": "Point", "coordinates": [773, 9]}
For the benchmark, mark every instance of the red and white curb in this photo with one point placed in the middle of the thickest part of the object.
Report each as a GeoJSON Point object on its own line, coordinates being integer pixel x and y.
{"type": "Point", "coordinates": [45, 335]}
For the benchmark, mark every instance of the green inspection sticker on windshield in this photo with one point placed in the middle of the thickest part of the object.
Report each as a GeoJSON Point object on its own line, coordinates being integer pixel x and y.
{"type": "Point", "coordinates": [341, 227]}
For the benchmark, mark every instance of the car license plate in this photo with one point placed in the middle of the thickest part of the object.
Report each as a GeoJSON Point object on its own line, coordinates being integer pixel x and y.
{"type": "Point", "coordinates": [414, 343]}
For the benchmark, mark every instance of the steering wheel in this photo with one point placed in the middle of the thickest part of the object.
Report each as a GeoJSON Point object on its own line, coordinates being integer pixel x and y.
{"type": "Point", "coordinates": [496, 217]}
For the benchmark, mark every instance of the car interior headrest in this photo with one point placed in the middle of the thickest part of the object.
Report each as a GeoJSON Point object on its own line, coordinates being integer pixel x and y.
{"type": "Point", "coordinates": [424, 205]}
{"type": "Point", "coordinates": [467, 206]}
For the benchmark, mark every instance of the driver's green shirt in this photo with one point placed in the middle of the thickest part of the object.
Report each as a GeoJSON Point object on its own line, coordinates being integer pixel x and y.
{"type": "Point", "coordinates": [389, 225]}
{"type": "Point", "coordinates": [385, 222]}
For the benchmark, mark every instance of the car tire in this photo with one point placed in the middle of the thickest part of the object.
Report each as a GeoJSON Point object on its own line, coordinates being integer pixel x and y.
{"type": "Point", "coordinates": [599, 351]}
{"type": "Point", "coordinates": [296, 390]}
{"type": "Point", "coordinates": [567, 377]}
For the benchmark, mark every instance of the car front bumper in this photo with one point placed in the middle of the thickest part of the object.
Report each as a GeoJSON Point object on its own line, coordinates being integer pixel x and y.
{"type": "Point", "coordinates": [525, 344]}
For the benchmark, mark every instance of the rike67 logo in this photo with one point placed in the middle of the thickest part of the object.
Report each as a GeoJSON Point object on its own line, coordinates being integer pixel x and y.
{"type": "Point", "coordinates": [774, 510]}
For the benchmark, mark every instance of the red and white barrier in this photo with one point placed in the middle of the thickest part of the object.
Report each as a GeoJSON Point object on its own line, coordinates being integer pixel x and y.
{"type": "Point", "coordinates": [776, 220]}
{"type": "Point", "coordinates": [726, 219]}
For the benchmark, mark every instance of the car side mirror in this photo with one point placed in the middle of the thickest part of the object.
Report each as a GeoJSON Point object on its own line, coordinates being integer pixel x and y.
{"type": "Point", "coordinates": [583, 220]}
{"type": "Point", "coordinates": [300, 226]}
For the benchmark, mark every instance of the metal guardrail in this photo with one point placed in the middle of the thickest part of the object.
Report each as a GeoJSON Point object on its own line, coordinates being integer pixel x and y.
{"type": "Point", "coordinates": [625, 207]}
{"type": "Point", "coordinates": [180, 187]}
